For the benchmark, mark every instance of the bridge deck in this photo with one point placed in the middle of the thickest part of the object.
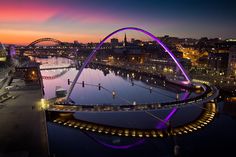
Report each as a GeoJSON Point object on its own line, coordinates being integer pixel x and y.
{"type": "Point", "coordinates": [210, 94]}
{"type": "Point", "coordinates": [67, 119]}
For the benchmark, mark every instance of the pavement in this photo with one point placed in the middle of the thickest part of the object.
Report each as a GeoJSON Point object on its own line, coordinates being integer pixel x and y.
{"type": "Point", "coordinates": [23, 130]}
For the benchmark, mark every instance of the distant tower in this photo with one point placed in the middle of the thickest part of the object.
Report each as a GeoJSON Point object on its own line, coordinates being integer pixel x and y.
{"type": "Point", "coordinates": [125, 41]}
{"type": "Point", "coordinates": [3, 53]}
{"type": "Point", "coordinates": [12, 51]}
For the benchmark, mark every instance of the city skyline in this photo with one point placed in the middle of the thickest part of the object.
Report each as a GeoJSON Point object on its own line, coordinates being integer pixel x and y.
{"type": "Point", "coordinates": [87, 21]}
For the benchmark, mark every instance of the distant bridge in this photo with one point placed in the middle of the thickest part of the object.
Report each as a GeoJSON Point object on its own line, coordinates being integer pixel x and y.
{"type": "Point", "coordinates": [43, 40]}
{"type": "Point", "coordinates": [56, 76]}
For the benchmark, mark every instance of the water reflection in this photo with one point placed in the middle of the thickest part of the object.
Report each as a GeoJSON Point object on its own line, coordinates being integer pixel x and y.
{"type": "Point", "coordinates": [128, 89]}
{"type": "Point", "coordinates": [216, 137]}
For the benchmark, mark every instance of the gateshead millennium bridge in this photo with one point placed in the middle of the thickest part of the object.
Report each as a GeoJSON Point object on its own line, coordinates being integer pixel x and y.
{"type": "Point", "coordinates": [61, 111]}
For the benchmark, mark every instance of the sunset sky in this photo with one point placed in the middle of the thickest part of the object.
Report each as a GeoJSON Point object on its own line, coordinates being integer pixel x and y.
{"type": "Point", "coordinates": [23, 21]}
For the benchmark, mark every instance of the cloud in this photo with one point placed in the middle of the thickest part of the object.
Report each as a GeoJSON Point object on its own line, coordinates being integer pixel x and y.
{"type": "Point", "coordinates": [26, 13]}
{"type": "Point", "coordinates": [27, 36]}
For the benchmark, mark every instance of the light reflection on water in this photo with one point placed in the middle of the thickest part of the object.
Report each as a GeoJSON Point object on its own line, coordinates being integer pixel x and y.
{"type": "Point", "coordinates": [125, 92]}
{"type": "Point", "coordinates": [217, 139]}
{"type": "Point", "coordinates": [91, 95]}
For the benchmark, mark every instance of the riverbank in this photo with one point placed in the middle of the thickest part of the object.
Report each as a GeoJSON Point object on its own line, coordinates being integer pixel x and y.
{"type": "Point", "coordinates": [23, 127]}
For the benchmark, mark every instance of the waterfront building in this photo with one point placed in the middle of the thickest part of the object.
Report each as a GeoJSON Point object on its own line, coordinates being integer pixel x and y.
{"type": "Point", "coordinates": [3, 53]}
{"type": "Point", "coordinates": [232, 62]}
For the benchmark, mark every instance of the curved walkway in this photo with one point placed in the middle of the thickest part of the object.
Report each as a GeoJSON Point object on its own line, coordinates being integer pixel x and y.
{"type": "Point", "coordinates": [210, 94]}
{"type": "Point", "coordinates": [68, 120]}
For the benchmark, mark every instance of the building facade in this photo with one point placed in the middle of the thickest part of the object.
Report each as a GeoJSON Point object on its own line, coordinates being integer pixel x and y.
{"type": "Point", "coordinates": [232, 62]}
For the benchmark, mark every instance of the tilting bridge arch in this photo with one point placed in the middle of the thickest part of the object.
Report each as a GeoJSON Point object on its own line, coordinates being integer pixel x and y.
{"type": "Point", "coordinates": [93, 53]}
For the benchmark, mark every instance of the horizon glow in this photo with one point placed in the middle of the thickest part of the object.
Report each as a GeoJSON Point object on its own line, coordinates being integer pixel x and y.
{"type": "Point", "coordinates": [22, 22]}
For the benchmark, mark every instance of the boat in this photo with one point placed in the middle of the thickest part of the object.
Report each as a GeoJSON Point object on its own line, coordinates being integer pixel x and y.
{"type": "Point", "coordinates": [60, 92]}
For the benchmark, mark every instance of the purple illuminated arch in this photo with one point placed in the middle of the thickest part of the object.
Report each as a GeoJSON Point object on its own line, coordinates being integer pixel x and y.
{"type": "Point", "coordinates": [88, 60]}
{"type": "Point", "coordinates": [160, 125]}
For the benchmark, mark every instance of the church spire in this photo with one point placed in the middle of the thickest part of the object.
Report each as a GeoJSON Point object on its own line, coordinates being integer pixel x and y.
{"type": "Point", "coordinates": [125, 40]}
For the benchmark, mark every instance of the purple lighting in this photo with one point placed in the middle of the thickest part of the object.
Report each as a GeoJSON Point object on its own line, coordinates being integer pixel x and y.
{"type": "Point", "coordinates": [138, 142]}
{"type": "Point", "coordinates": [161, 125]}
{"type": "Point", "coordinates": [122, 146]}
{"type": "Point", "coordinates": [141, 141]}
{"type": "Point", "coordinates": [88, 60]}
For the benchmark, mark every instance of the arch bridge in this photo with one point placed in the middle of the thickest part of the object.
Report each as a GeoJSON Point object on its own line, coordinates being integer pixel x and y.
{"type": "Point", "coordinates": [65, 107]}
{"type": "Point", "coordinates": [43, 40]}
{"type": "Point", "coordinates": [94, 52]}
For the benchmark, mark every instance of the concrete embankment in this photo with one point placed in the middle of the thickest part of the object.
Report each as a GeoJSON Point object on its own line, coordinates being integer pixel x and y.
{"type": "Point", "coordinates": [23, 127]}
